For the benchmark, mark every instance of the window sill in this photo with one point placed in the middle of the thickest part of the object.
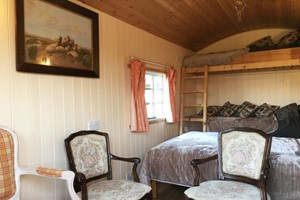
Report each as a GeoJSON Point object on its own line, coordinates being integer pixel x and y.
{"type": "Point", "coordinates": [154, 121]}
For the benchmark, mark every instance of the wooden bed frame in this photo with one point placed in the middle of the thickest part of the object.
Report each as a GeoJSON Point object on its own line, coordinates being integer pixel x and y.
{"type": "Point", "coordinates": [288, 58]}
{"type": "Point", "coordinates": [277, 59]}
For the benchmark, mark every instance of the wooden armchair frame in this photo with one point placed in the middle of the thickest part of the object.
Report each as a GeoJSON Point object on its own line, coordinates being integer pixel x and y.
{"type": "Point", "coordinates": [81, 181]}
{"type": "Point", "coordinates": [260, 182]}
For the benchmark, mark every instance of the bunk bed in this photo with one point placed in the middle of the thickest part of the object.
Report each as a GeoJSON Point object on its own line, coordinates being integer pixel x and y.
{"type": "Point", "coordinates": [169, 161]}
{"type": "Point", "coordinates": [277, 59]}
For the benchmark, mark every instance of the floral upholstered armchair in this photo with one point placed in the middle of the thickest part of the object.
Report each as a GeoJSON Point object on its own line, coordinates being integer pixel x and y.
{"type": "Point", "coordinates": [90, 158]}
{"type": "Point", "coordinates": [10, 171]}
{"type": "Point", "coordinates": [243, 157]}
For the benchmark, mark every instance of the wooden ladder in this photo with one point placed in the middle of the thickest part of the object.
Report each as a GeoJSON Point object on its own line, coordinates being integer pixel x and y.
{"type": "Point", "coordinates": [202, 78]}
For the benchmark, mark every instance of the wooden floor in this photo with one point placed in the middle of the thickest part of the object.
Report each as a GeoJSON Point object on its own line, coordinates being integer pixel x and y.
{"type": "Point", "coordinates": [170, 192]}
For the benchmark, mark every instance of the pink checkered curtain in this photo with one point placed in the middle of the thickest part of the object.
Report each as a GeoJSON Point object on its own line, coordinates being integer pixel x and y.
{"type": "Point", "coordinates": [138, 113]}
{"type": "Point", "coordinates": [171, 111]}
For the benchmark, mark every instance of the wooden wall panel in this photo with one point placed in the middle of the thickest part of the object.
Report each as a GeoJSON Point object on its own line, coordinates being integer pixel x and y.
{"type": "Point", "coordinates": [45, 109]}
{"type": "Point", "coordinates": [280, 88]}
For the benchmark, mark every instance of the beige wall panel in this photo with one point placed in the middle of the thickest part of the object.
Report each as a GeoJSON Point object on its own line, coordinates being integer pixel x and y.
{"type": "Point", "coordinates": [5, 103]}
{"type": "Point", "coordinates": [47, 132]}
{"type": "Point", "coordinates": [45, 109]}
{"type": "Point", "coordinates": [280, 88]}
{"type": "Point", "coordinates": [58, 128]}
{"type": "Point", "coordinates": [86, 101]}
{"type": "Point", "coordinates": [69, 106]}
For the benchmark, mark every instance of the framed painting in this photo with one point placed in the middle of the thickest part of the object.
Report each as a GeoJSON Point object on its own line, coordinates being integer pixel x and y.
{"type": "Point", "coordinates": [56, 37]}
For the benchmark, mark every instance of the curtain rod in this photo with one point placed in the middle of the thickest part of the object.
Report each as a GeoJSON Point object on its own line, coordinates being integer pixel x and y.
{"type": "Point", "coordinates": [149, 62]}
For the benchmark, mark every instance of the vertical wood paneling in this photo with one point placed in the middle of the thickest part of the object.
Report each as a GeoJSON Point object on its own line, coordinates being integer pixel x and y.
{"type": "Point", "coordinates": [5, 106]}
{"type": "Point", "coordinates": [69, 106]}
{"type": "Point", "coordinates": [47, 134]}
{"type": "Point", "coordinates": [86, 101]}
{"type": "Point", "coordinates": [58, 128]}
{"type": "Point", "coordinates": [45, 109]}
{"type": "Point", "coordinates": [280, 87]}
{"type": "Point", "coordinates": [78, 103]}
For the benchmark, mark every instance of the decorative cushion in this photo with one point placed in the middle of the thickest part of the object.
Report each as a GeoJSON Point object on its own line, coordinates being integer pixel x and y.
{"type": "Point", "coordinates": [288, 121]}
{"type": "Point", "coordinates": [7, 172]}
{"type": "Point", "coordinates": [225, 190]}
{"type": "Point", "coordinates": [288, 39]}
{"type": "Point", "coordinates": [228, 109]}
{"type": "Point", "coordinates": [116, 190]}
{"type": "Point", "coordinates": [211, 111]}
{"type": "Point", "coordinates": [264, 43]}
{"type": "Point", "coordinates": [247, 109]}
{"type": "Point", "coordinates": [87, 159]}
{"type": "Point", "coordinates": [265, 110]}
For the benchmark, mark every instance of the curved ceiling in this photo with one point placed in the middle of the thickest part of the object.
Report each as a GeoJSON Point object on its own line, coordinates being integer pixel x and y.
{"type": "Point", "coordinates": [195, 24]}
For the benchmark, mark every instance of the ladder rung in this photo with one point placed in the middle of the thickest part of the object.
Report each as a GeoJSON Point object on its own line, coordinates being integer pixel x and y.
{"type": "Point", "coordinates": [193, 119]}
{"type": "Point", "coordinates": [194, 92]}
{"type": "Point", "coordinates": [193, 106]}
{"type": "Point", "coordinates": [193, 77]}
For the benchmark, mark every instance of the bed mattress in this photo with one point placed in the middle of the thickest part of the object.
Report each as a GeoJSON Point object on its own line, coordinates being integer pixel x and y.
{"type": "Point", "coordinates": [170, 162]}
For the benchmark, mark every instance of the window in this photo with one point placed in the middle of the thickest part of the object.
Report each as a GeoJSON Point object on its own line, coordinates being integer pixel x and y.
{"type": "Point", "coordinates": [154, 94]}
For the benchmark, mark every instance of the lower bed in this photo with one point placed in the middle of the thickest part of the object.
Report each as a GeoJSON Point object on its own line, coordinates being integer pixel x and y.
{"type": "Point", "coordinates": [169, 162]}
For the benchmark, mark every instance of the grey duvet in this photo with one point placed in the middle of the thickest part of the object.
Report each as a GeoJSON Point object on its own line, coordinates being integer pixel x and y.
{"type": "Point", "coordinates": [170, 162]}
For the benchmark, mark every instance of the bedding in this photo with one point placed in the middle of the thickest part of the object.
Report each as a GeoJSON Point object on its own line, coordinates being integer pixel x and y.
{"type": "Point", "coordinates": [215, 58]}
{"type": "Point", "coordinates": [169, 162]}
{"type": "Point", "coordinates": [217, 123]}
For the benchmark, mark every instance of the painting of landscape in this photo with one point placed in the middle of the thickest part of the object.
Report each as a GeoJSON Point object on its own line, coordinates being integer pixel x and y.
{"type": "Point", "coordinates": [57, 37]}
{"type": "Point", "coordinates": [58, 52]}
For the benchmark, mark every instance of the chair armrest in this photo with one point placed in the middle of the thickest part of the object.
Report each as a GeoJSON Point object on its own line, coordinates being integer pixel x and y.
{"type": "Point", "coordinates": [134, 160]}
{"type": "Point", "coordinates": [66, 175]}
{"type": "Point", "coordinates": [196, 162]}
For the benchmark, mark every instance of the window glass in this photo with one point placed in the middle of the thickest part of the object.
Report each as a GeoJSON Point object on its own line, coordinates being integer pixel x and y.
{"type": "Point", "coordinates": [154, 94]}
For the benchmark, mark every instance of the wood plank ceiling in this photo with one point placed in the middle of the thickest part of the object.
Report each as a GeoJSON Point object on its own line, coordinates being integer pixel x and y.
{"type": "Point", "coordinates": [195, 24]}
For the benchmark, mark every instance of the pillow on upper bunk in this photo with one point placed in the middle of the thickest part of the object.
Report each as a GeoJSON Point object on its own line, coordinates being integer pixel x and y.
{"type": "Point", "coordinates": [288, 40]}
{"type": "Point", "coordinates": [265, 110]}
{"type": "Point", "coordinates": [228, 109]}
{"type": "Point", "coordinates": [247, 109]}
{"type": "Point", "coordinates": [264, 43]}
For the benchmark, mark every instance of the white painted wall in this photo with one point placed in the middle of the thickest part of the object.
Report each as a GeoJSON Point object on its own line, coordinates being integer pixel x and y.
{"type": "Point", "coordinates": [45, 109]}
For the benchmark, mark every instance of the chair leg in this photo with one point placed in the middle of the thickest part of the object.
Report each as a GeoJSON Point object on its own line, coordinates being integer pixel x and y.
{"type": "Point", "coordinates": [150, 196]}
{"type": "Point", "coordinates": [147, 196]}
{"type": "Point", "coordinates": [154, 189]}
